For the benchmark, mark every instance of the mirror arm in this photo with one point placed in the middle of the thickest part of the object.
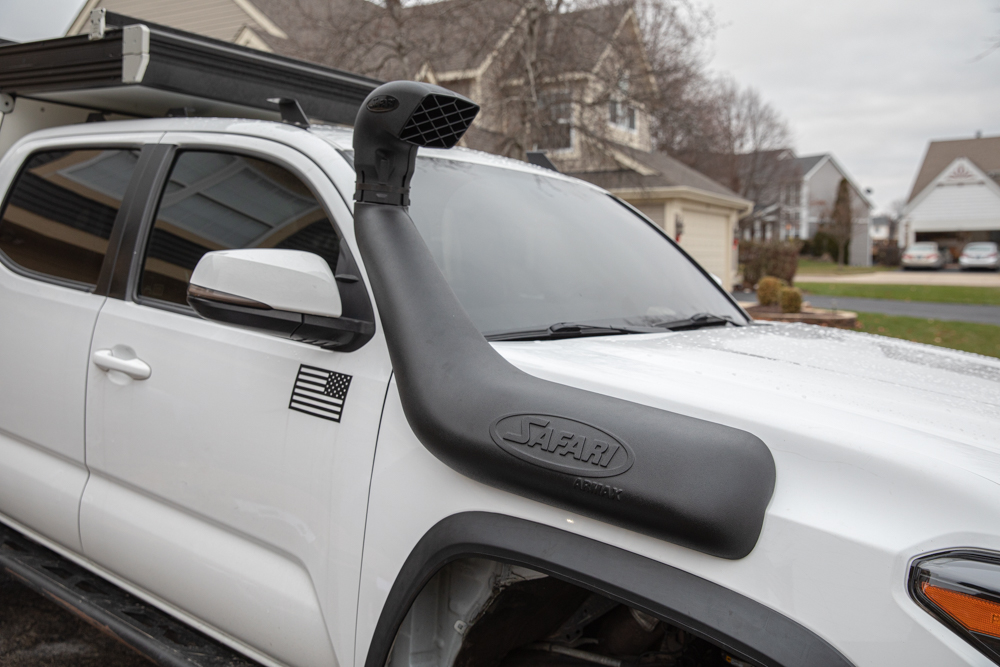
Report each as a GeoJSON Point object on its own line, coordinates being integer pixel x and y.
{"type": "Point", "coordinates": [330, 333]}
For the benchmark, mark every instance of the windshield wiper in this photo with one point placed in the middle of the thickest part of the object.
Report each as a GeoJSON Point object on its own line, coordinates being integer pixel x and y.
{"type": "Point", "coordinates": [567, 330]}
{"type": "Point", "coordinates": [696, 321]}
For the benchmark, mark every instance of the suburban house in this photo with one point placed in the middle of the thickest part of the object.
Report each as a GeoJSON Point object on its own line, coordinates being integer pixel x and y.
{"type": "Point", "coordinates": [956, 196]}
{"type": "Point", "coordinates": [880, 228]}
{"type": "Point", "coordinates": [581, 98]}
{"type": "Point", "coordinates": [793, 196]}
{"type": "Point", "coordinates": [821, 176]}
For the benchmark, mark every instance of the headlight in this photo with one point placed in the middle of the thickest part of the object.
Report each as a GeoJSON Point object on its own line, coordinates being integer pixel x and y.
{"type": "Point", "coordinates": [962, 590]}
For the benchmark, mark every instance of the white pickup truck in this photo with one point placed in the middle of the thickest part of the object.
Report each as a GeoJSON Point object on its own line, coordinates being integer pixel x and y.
{"type": "Point", "coordinates": [260, 381]}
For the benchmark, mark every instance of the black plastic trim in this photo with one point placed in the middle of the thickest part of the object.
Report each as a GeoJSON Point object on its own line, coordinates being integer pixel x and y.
{"type": "Point", "coordinates": [696, 483]}
{"type": "Point", "coordinates": [331, 333]}
{"type": "Point", "coordinates": [185, 63]}
{"type": "Point", "coordinates": [128, 260]}
{"type": "Point", "coordinates": [61, 63]}
{"type": "Point", "coordinates": [133, 202]}
{"type": "Point", "coordinates": [743, 627]}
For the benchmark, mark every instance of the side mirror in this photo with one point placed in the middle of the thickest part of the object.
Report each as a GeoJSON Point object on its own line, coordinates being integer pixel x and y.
{"type": "Point", "coordinates": [287, 293]}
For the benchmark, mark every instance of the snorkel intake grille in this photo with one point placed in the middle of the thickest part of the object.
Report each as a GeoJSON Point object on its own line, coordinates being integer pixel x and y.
{"type": "Point", "coordinates": [439, 121]}
{"type": "Point", "coordinates": [393, 122]}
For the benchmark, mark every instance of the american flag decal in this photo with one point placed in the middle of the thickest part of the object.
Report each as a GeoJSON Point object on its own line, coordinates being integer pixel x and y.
{"type": "Point", "coordinates": [319, 393]}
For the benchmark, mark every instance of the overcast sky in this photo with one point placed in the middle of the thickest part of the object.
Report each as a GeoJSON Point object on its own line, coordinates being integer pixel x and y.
{"type": "Point", "coordinates": [871, 81]}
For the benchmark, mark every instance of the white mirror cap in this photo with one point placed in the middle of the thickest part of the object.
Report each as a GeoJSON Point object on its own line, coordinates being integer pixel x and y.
{"type": "Point", "coordinates": [290, 280]}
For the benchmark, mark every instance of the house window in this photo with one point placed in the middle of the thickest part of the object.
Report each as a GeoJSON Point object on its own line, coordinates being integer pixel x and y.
{"type": "Point", "coordinates": [556, 120]}
{"type": "Point", "coordinates": [620, 113]}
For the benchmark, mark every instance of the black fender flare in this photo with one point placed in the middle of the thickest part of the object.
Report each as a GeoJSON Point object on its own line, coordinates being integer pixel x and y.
{"type": "Point", "coordinates": [743, 627]}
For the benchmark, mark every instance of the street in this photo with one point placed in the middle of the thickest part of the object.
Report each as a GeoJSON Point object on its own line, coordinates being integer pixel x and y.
{"type": "Point", "coordinates": [953, 312]}
{"type": "Point", "coordinates": [948, 276]}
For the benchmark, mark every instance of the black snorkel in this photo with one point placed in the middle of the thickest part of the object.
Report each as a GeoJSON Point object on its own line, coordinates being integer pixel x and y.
{"type": "Point", "coordinates": [688, 481]}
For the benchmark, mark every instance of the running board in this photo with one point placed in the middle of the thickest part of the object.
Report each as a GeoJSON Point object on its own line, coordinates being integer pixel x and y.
{"type": "Point", "coordinates": [115, 612]}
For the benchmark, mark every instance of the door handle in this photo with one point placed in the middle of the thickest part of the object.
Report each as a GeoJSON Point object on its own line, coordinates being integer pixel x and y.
{"type": "Point", "coordinates": [135, 368]}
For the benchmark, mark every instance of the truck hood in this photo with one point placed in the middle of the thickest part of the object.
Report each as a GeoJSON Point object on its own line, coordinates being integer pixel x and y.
{"type": "Point", "coordinates": [797, 387]}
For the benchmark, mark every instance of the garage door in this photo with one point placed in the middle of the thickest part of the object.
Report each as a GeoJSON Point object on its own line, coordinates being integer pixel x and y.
{"type": "Point", "coordinates": [706, 238]}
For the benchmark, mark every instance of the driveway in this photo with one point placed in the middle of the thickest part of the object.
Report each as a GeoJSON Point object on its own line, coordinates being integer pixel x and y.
{"type": "Point", "coordinates": [947, 277]}
{"type": "Point", "coordinates": [953, 312]}
{"type": "Point", "coordinates": [35, 632]}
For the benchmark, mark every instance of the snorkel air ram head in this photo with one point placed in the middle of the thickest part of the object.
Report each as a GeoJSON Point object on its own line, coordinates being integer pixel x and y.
{"type": "Point", "coordinates": [395, 120]}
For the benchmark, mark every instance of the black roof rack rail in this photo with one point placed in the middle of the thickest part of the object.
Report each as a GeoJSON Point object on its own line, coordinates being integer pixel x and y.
{"type": "Point", "coordinates": [137, 68]}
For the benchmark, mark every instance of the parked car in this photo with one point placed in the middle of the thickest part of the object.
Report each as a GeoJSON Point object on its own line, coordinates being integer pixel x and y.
{"type": "Point", "coordinates": [980, 255]}
{"type": "Point", "coordinates": [492, 416]}
{"type": "Point", "coordinates": [924, 255]}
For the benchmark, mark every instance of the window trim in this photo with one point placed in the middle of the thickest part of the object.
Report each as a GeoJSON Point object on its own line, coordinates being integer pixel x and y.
{"type": "Point", "coordinates": [158, 191]}
{"type": "Point", "coordinates": [100, 286]}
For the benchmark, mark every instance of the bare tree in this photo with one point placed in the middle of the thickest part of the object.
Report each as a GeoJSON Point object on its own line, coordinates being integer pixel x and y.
{"type": "Point", "coordinates": [676, 35]}
{"type": "Point", "coordinates": [896, 211]}
{"type": "Point", "coordinates": [563, 71]}
{"type": "Point", "coordinates": [736, 123]}
{"type": "Point", "coordinates": [743, 142]}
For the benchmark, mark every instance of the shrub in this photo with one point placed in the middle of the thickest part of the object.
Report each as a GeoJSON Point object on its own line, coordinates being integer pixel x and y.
{"type": "Point", "coordinates": [887, 253]}
{"type": "Point", "coordinates": [759, 259]}
{"type": "Point", "coordinates": [767, 291]}
{"type": "Point", "coordinates": [791, 299]}
{"type": "Point", "coordinates": [822, 244]}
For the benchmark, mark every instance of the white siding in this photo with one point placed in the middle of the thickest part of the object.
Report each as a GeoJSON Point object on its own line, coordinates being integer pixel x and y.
{"type": "Point", "coordinates": [707, 238]}
{"type": "Point", "coordinates": [654, 212]}
{"type": "Point", "coordinates": [219, 19]}
{"type": "Point", "coordinates": [957, 207]}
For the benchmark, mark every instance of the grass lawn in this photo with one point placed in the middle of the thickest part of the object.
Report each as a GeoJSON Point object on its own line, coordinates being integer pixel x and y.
{"type": "Point", "coordinates": [979, 338]}
{"type": "Point", "coordinates": [818, 267]}
{"type": "Point", "coordinates": [989, 296]}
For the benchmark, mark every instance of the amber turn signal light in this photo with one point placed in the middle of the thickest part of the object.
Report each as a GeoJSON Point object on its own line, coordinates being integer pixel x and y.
{"type": "Point", "coordinates": [975, 614]}
{"type": "Point", "coordinates": [962, 590]}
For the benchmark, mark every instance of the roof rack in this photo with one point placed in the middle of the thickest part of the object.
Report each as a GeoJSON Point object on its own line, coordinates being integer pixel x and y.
{"type": "Point", "coordinates": [135, 68]}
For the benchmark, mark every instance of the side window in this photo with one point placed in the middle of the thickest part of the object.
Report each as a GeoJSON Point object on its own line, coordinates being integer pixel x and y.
{"type": "Point", "coordinates": [221, 201]}
{"type": "Point", "coordinates": [60, 211]}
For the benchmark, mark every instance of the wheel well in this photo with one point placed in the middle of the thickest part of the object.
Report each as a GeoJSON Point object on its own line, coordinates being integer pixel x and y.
{"type": "Point", "coordinates": [478, 612]}
{"type": "Point", "coordinates": [743, 628]}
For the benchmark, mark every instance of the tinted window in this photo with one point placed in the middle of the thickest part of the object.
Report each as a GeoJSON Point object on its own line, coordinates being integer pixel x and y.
{"type": "Point", "coordinates": [525, 250]}
{"type": "Point", "coordinates": [221, 201]}
{"type": "Point", "coordinates": [59, 215]}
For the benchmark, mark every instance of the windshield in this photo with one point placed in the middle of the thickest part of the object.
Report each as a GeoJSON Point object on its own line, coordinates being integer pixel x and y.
{"type": "Point", "coordinates": [923, 246]}
{"type": "Point", "coordinates": [981, 247]}
{"type": "Point", "coordinates": [524, 250]}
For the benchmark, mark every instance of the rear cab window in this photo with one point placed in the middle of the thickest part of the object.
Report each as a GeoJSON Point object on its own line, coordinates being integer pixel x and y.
{"type": "Point", "coordinates": [60, 211]}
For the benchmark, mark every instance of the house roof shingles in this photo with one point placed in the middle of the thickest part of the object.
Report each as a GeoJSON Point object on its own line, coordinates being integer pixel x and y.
{"type": "Point", "coordinates": [807, 162]}
{"type": "Point", "coordinates": [984, 152]}
{"type": "Point", "coordinates": [669, 173]}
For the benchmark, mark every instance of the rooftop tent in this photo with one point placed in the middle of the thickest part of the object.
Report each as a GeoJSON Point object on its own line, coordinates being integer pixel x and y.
{"type": "Point", "coordinates": [134, 68]}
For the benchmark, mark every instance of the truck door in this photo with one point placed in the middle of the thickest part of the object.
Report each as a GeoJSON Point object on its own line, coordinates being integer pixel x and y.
{"type": "Point", "coordinates": [216, 488]}
{"type": "Point", "coordinates": [60, 208]}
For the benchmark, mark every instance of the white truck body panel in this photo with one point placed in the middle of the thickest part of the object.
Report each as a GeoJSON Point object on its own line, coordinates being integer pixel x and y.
{"type": "Point", "coordinates": [204, 489]}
